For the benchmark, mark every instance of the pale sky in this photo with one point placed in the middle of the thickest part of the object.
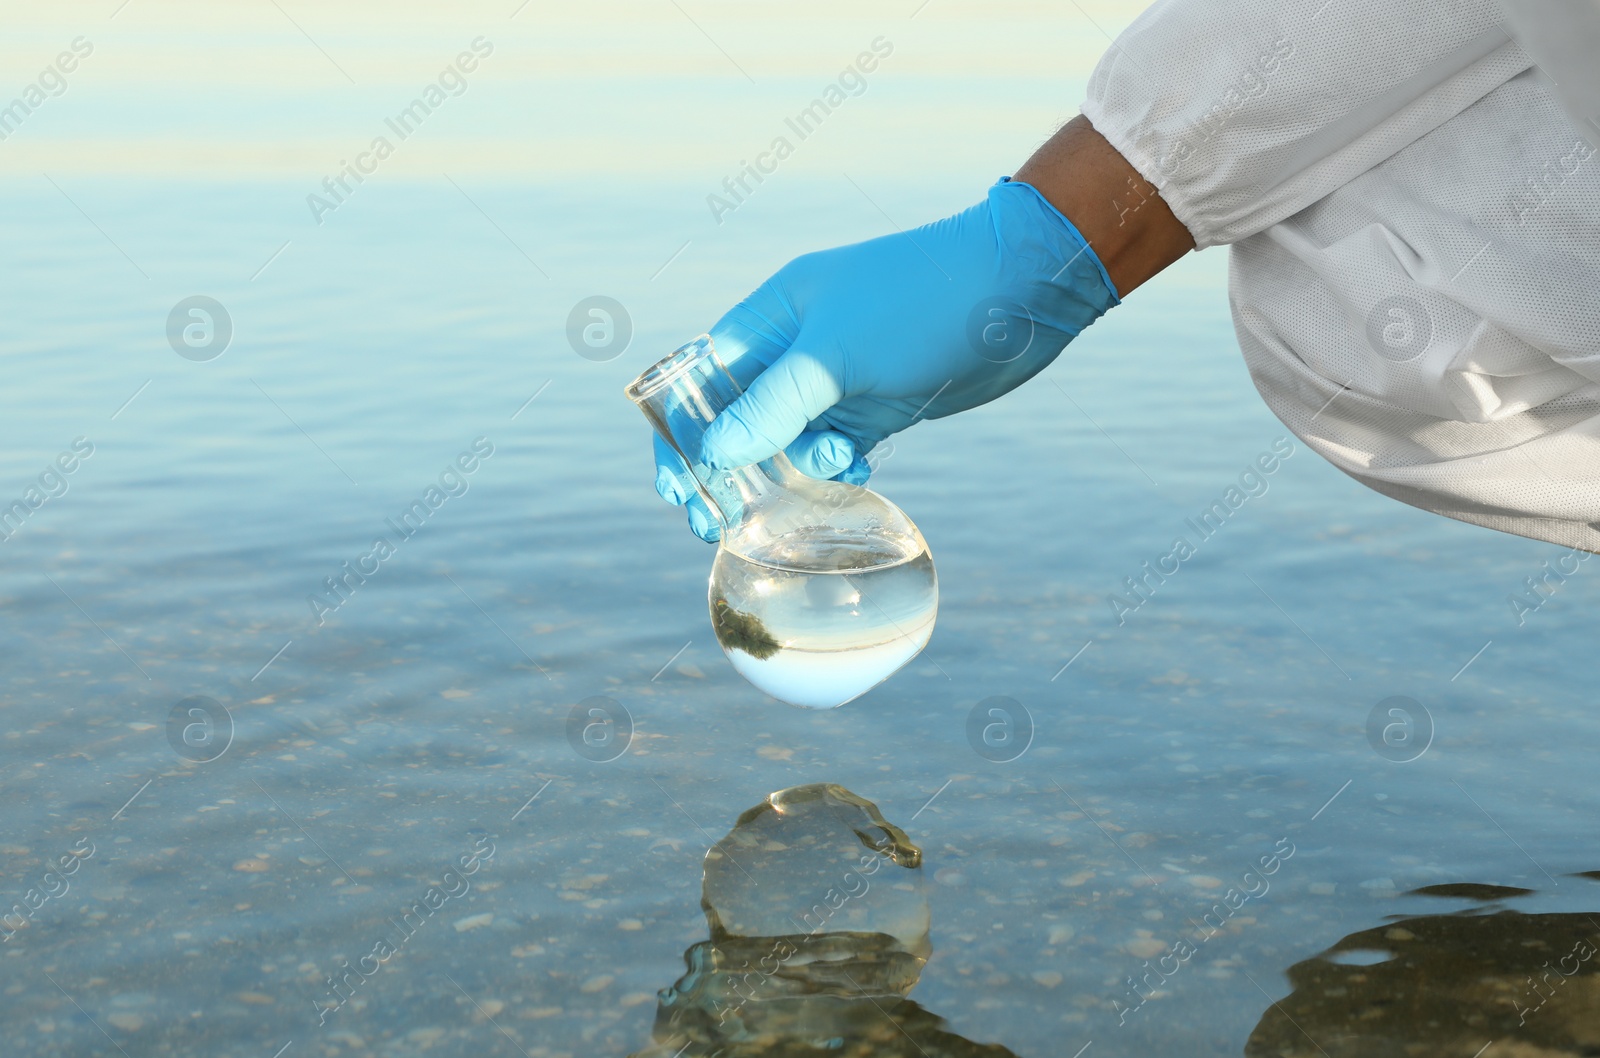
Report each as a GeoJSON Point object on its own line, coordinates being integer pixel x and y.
{"type": "Point", "coordinates": [652, 88]}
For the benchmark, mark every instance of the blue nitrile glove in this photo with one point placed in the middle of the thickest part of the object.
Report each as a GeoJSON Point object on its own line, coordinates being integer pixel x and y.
{"type": "Point", "coordinates": [843, 347]}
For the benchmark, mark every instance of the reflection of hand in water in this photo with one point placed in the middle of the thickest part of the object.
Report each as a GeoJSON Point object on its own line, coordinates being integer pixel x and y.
{"type": "Point", "coordinates": [819, 931]}
{"type": "Point", "coordinates": [1444, 986]}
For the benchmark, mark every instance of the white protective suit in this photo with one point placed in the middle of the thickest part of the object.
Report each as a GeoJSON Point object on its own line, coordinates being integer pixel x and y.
{"type": "Point", "coordinates": [1414, 211]}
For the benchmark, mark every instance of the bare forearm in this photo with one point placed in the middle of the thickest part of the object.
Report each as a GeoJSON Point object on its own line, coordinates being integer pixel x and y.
{"type": "Point", "coordinates": [1116, 210]}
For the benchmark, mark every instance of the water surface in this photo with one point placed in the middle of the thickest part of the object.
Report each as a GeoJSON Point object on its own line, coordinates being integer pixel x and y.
{"type": "Point", "coordinates": [404, 783]}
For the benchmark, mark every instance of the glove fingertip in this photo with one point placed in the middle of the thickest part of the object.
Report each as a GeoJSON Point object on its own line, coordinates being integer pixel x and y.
{"type": "Point", "coordinates": [703, 525]}
{"type": "Point", "coordinates": [670, 471]}
{"type": "Point", "coordinates": [821, 453]}
{"type": "Point", "coordinates": [668, 488]}
{"type": "Point", "coordinates": [837, 451]}
{"type": "Point", "coordinates": [856, 473]}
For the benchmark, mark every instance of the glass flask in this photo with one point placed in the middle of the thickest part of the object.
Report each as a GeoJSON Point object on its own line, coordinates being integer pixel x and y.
{"type": "Point", "coordinates": [820, 590]}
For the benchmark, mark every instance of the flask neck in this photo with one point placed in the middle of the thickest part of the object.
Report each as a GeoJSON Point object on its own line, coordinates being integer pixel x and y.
{"type": "Point", "coordinates": [681, 395]}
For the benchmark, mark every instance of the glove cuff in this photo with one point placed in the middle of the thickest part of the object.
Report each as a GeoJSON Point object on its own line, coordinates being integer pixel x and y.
{"type": "Point", "coordinates": [1041, 241]}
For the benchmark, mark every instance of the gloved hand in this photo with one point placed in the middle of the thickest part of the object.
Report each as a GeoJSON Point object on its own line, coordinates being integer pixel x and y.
{"type": "Point", "coordinates": [843, 347]}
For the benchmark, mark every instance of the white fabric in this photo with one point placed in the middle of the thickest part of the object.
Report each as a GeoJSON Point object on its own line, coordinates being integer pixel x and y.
{"type": "Point", "coordinates": [1563, 38]}
{"type": "Point", "coordinates": [1415, 223]}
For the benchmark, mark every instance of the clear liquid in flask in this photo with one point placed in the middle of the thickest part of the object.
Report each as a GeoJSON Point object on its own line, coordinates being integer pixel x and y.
{"type": "Point", "coordinates": [819, 617]}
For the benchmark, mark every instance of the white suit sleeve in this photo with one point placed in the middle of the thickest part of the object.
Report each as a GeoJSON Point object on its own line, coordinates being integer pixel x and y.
{"type": "Point", "coordinates": [1245, 112]}
{"type": "Point", "coordinates": [1563, 37]}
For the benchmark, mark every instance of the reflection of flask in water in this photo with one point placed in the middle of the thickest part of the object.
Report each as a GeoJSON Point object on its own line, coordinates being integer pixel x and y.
{"type": "Point", "coordinates": [819, 930]}
{"type": "Point", "coordinates": [820, 590]}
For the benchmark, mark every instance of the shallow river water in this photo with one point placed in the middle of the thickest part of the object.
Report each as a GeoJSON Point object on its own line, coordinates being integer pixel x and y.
{"type": "Point", "coordinates": [1324, 791]}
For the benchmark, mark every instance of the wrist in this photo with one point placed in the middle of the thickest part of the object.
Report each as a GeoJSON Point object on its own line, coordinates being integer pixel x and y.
{"type": "Point", "coordinates": [1118, 213]}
